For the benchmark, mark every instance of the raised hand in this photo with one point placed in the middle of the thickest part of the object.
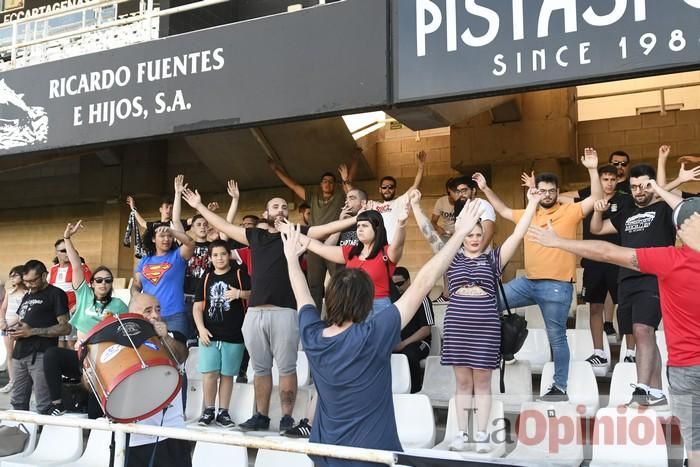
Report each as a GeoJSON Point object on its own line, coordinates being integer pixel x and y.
{"type": "Point", "coordinates": [528, 181]}
{"type": "Point", "coordinates": [163, 229]}
{"type": "Point", "coordinates": [467, 219]}
{"type": "Point", "coordinates": [689, 175]}
{"type": "Point", "coordinates": [283, 225]}
{"type": "Point", "coordinates": [545, 237]}
{"type": "Point", "coordinates": [232, 190]}
{"type": "Point", "coordinates": [293, 248]}
{"type": "Point", "coordinates": [192, 198]}
{"type": "Point", "coordinates": [590, 158]}
{"type": "Point", "coordinates": [344, 172]}
{"type": "Point", "coordinates": [130, 202]}
{"type": "Point", "coordinates": [72, 229]}
{"type": "Point", "coordinates": [664, 151]}
{"type": "Point", "coordinates": [346, 212]}
{"type": "Point", "coordinates": [414, 197]}
{"type": "Point", "coordinates": [601, 205]}
{"type": "Point", "coordinates": [421, 157]}
{"type": "Point", "coordinates": [480, 180]}
{"type": "Point", "coordinates": [402, 208]}
{"type": "Point", "coordinates": [533, 195]}
{"type": "Point", "coordinates": [179, 184]}
{"type": "Point", "coordinates": [213, 206]}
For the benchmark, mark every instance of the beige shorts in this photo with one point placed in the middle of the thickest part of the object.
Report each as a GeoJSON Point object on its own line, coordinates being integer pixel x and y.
{"type": "Point", "coordinates": [272, 333]}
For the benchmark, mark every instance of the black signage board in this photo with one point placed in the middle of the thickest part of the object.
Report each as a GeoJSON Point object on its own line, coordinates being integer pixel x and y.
{"type": "Point", "coordinates": [319, 61]}
{"type": "Point", "coordinates": [25, 9]}
{"type": "Point", "coordinates": [457, 48]}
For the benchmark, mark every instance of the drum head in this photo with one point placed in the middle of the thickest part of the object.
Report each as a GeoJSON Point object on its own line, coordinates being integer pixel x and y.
{"type": "Point", "coordinates": [142, 394]}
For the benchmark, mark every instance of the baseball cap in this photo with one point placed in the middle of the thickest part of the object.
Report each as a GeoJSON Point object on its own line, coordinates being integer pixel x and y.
{"type": "Point", "coordinates": [686, 209]}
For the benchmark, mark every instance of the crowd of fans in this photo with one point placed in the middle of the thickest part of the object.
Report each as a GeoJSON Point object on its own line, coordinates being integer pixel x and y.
{"type": "Point", "coordinates": [253, 291]}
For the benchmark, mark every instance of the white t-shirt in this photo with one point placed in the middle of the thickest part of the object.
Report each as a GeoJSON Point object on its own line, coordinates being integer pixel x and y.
{"type": "Point", "coordinates": [446, 211]}
{"type": "Point", "coordinates": [388, 211]}
{"type": "Point", "coordinates": [489, 213]}
{"type": "Point", "coordinates": [172, 418]}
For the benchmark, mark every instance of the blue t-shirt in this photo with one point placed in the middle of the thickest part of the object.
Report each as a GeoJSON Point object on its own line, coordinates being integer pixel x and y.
{"type": "Point", "coordinates": [352, 374]}
{"type": "Point", "coordinates": [164, 277]}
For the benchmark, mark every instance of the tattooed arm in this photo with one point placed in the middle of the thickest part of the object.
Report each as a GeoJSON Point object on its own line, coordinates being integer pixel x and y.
{"type": "Point", "coordinates": [424, 224]}
{"type": "Point", "coordinates": [23, 330]}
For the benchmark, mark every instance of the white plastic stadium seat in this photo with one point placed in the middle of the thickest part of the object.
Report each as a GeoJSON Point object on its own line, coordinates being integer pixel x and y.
{"type": "Point", "coordinates": [303, 371]}
{"type": "Point", "coordinates": [435, 341]}
{"type": "Point", "coordinates": [3, 357]}
{"type": "Point", "coordinates": [300, 409]}
{"type": "Point", "coordinates": [195, 400]}
{"type": "Point", "coordinates": [438, 382]}
{"type": "Point", "coordinates": [538, 441]}
{"type": "Point", "coordinates": [582, 386]}
{"type": "Point", "coordinates": [439, 310]}
{"type": "Point", "coordinates": [191, 364]}
{"type": "Point", "coordinates": [623, 376]}
{"type": "Point", "coordinates": [535, 350]}
{"type": "Point", "coordinates": [242, 404]}
{"type": "Point", "coordinates": [31, 444]}
{"type": "Point", "coordinates": [400, 374]}
{"type": "Point", "coordinates": [496, 427]}
{"type": "Point", "coordinates": [579, 281]}
{"type": "Point", "coordinates": [581, 347]}
{"type": "Point", "coordinates": [660, 343]}
{"type": "Point", "coordinates": [628, 437]}
{"type": "Point", "coordinates": [57, 445]}
{"type": "Point", "coordinates": [268, 458]}
{"type": "Point", "coordinates": [208, 454]}
{"type": "Point", "coordinates": [583, 316]}
{"type": "Point", "coordinates": [518, 382]}
{"type": "Point", "coordinates": [534, 318]}
{"type": "Point", "coordinates": [123, 294]}
{"type": "Point", "coordinates": [414, 420]}
{"type": "Point", "coordinates": [96, 452]}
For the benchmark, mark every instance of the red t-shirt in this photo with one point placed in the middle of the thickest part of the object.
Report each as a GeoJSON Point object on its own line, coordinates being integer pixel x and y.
{"type": "Point", "coordinates": [678, 272]}
{"type": "Point", "coordinates": [244, 255]}
{"type": "Point", "coordinates": [62, 277]}
{"type": "Point", "coordinates": [376, 269]}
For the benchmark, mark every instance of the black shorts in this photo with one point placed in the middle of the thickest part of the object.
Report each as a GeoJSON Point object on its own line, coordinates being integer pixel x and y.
{"type": "Point", "coordinates": [599, 279]}
{"type": "Point", "coordinates": [639, 303]}
{"type": "Point", "coordinates": [170, 452]}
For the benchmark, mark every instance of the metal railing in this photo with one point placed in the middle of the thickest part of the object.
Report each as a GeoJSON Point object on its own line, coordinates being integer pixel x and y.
{"type": "Point", "coordinates": [218, 437]}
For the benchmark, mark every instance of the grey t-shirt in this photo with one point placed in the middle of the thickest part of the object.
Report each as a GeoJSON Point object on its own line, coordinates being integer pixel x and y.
{"type": "Point", "coordinates": [324, 211]}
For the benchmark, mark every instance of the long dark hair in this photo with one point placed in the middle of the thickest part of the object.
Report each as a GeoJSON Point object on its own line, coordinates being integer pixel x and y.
{"type": "Point", "coordinates": [377, 221]}
{"type": "Point", "coordinates": [149, 240]}
{"type": "Point", "coordinates": [107, 298]}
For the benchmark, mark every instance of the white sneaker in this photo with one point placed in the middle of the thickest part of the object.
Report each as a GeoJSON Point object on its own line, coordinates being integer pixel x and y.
{"type": "Point", "coordinates": [460, 442]}
{"type": "Point", "coordinates": [7, 388]}
{"type": "Point", "coordinates": [481, 439]}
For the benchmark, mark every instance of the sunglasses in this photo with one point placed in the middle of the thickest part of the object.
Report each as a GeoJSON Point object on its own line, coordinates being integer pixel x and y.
{"type": "Point", "coordinates": [620, 164]}
{"type": "Point", "coordinates": [106, 280]}
{"type": "Point", "coordinates": [387, 187]}
{"type": "Point", "coordinates": [61, 251]}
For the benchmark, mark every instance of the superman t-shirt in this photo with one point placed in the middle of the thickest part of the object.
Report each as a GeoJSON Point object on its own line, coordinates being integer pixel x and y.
{"type": "Point", "coordinates": [164, 277]}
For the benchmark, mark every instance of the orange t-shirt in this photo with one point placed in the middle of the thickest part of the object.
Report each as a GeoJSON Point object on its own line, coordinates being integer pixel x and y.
{"type": "Point", "coordinates": [552, 263]}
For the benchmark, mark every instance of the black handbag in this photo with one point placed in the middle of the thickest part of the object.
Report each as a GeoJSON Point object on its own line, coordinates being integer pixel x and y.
{"type": "Point", "coordinates": [394, 293]}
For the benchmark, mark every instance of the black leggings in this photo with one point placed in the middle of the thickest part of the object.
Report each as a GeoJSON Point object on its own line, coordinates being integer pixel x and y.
{"type": "Point", "coordinates": [59, 362]}
{"type": "Point", "coordinates": [416, 352]}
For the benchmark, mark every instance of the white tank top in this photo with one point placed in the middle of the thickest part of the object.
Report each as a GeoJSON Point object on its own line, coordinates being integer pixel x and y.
{"type": "Point", "coordinates": [13, 301]}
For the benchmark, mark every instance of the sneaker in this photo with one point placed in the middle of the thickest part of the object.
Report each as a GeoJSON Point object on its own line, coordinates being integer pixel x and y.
{"type": "Point", "coordinates": [481, 440]}
{"type": "Point", "coordinates": [243, 379]}
{"type": "Point", "coordinates": [554, 394]}
{"type": "Point", "coordinates": [256, 423]}
{"type": "Point", "coordinates": [639, 397]}
{"type": "Point", "coordinates": [596, 360]}
{"type": "Point", "coordinates": [630, 359]}
{"type": "Point", "coordinates": [224, 419]}
{"type": "Point", "coordinates": [286, 424]}
{"type": "Point", "coordinates": [302, 430]}
{"type": "Point", "coordinates": [656, 402]}
{"type": "Point", "coordinates": [441, 299]}
{"type": "Point", "coordinates": [510, 361]}
{"type": "Point", "coordinates": [460, 442]}
{"type": "Point", "coordinates": [55, 410]}
{"type": "Point", "coordinates": [207, 417]}
{"type": "Point", "coordinates": [7, 388]}
{"type": "Point", "coordinates": [609, 328]}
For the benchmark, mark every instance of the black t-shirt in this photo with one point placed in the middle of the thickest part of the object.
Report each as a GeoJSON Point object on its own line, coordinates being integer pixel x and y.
{"type": "Point", "coordinates": [197, 265]}
{"type": "Point", "coordinates": [348, 237]}
{"type": "Point", "coordinates": [616, 204]}
{"type": "Point", "coordinates": [423, 317]}
{"type": "Point", "coordinates": [270, 282]}
{"type": "Point", "coordinates": [153, 225]}
{"type": "Point", "coordinates": [650, 226]}
{"type": "Point", "coordinates": [223, 318]}
{"type": "Point", "coordinates": [687, 195]}
{"type": "Point", "coordinates": [39, 310]}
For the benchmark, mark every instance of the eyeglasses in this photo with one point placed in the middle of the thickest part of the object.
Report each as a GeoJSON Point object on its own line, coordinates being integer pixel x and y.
{"type": "Point", "coordinates": [62, 251]}
{"type": "Point", "coordinates": [620, 164]}
{"type": "Point", "coordinates": [387, 187]}
{"type": "Point", "coordinates": [639, 187]}
{"type": "Point", "coordinates": [463, 191]}
{"type": "Point", "coordinates": [32, 281]}
{"type": "Point", "coordinates": [106, 280]}
{"type": "Point", "coordinates": [551, 191]}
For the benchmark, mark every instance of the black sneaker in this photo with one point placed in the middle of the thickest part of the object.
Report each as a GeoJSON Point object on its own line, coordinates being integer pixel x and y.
{"type": "Point", "coordinates": [224, 419]}
{"type": "Point", "coordinates": [609, 328]}
{"type": "Point", "coordinates": [55, 410]}
{"type": "Point", "coordinates": [554, 395]}
{"type": "Point", "coordinates": [256, 423]}
{"type": "Point", "coordinates": [302, 430]}
{"type": "Point", "coordinates": [242, 378]}
{"type": "Point", "coordinates": [207, 417]}
{"type": "Point", "coordinates": [639, 397]}
{"type": "Point", "coordinates": [286, 424]}
{"type": "Point", "coordinates": [596, 360]}
{"type": "Point", "coordinates": [630, 359]}
{"type": "Point", "coordinates": [656, 402]}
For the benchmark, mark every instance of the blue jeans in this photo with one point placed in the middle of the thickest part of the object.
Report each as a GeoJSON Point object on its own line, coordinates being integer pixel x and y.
{"type": "Point", "coordinates": [554, 299]}
{"type": "Point", "coordinates": [379, 305]}
{"type": "Point", "coordinates": [179, 322]}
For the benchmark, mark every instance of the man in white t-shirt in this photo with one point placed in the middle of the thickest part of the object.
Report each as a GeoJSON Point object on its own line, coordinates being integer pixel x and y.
{"type": "Point", "coordinates": [466, 189]}
{"type": "Point", "coordinates": [443, 218]}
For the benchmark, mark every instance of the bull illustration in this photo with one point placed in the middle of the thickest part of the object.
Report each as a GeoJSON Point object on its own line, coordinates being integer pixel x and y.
{"type": "Point", "coordinates": [20, 124]}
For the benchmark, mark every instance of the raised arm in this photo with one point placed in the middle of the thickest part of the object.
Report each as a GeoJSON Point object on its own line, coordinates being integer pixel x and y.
{"type": "Point", "coordinates": [500, 207]}
{"type": "Point", "coordinates": [179, 185]}
{"type": "Point", "coordinates": [349, 175]}
{"type": "Point", "coordinates": [232, 231]}
{"type": "Point", "coordinates": [292, 184]}
{"type": "Point", "coordinates": [598, 225]}
{"type": "Point", "coordinates": [293, 248]}
{"type": "Point", "coordinates": [409, 302]}
{"type": "Point", "coordinates": [234, 193]}
{"type": "Point", "coordinates": [671, 199]}
{"type": "Point", "coordinates": [328, 252]}
{"type": "Point", "coordinates": [664, 152]}
{"type": "Point", "coordinates": [186, 243]}
{"type": "Point", "coordinates": [420, 160]}
{"type": "Point", "coordinates": [595, 250]}
{"type": "Point", "coordinates": [395, 250]}
{"type": "Point", "coordinates": [132, 204]}
{"type": "Point", "coordinates": [684, 175]}
{"type": "Point", "coordinates": [424, 225]}
{"type": "Point", "coordinates": [590, 162]}
{"type": "Point", "coordinates": [76, 265]}
{"type": "Point", "coordinates": [511, 244]}
{"type": "Point", "coordinates": [322, 231]}
{"type": "Point", "coordinates": [333, 239]}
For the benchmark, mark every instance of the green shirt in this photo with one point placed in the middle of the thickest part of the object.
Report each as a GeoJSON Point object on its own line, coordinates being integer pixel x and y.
{"type": "Point", "coordinates": [89, 312]}
{"type": "Point", "coordinates": [324, 211]}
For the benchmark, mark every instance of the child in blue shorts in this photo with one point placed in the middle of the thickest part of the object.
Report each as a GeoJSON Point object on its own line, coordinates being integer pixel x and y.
{"type": "Point", "coordinates": [218, 313]}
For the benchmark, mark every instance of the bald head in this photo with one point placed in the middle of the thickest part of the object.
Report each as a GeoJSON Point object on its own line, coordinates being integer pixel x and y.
{"type": "Point", "coordinates": [146, 305]}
